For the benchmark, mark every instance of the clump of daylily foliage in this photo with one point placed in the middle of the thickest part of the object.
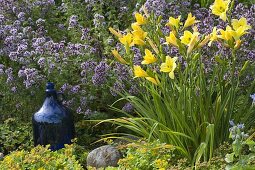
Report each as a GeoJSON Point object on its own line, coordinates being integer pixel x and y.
{"type": "Point", "coordinates": [187, 107]}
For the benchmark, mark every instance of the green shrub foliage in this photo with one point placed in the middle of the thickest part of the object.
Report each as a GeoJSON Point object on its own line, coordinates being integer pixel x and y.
{"type": "Point", "coordinates": [41, 158]}
{"type": "Point", "coordinates": [15, 135]}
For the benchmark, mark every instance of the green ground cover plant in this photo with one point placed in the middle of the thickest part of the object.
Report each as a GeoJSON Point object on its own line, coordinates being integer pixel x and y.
{"type": "Point", "coordinates": [15, 135]}
{"type": "Point", "coordinates": [41, 158]}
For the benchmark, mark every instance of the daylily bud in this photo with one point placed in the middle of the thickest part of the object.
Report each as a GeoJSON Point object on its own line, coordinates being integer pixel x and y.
{"type": "Point", "coordinates": [172, 39]}
{"type": "Point", "coordinates": [145, 11]}
{"type": "Point", "coordinates": [237, 44]}
{"type": "Point", "coordinates": [205, 41]}
{"type": "Point", "coordinates": [139, 72]}
{"type": "Point", "coordinates": [119, 35]}
{"type": "Point", "coordinates": [244, 67]}
{"type": "Point", "coordinates": [118, 57]}
{"type": "Point", "coordinates": [153, 80]}
{"type": "Point", "coordinates": [140, 19]}
{"type": "Point", "coordinates": [153, 46]}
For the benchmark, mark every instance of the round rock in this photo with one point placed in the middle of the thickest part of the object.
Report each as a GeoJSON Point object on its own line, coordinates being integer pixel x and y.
{"type": "Point", "coordinates": [103, 156]}
{"type": "Point", "coordinates": [1, 156]}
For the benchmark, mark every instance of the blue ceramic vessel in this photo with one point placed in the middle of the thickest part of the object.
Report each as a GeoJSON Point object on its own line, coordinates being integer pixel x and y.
{"type": "Point", "coordinates": [53, 123]}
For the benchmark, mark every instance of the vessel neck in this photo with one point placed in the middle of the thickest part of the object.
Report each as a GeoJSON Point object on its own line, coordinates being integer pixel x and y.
{"type": "Point", "coordinates": [51, 94]}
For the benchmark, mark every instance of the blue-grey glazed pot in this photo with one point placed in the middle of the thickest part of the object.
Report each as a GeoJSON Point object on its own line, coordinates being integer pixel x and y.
{"type": "Point", "coordinates": [53, 123]}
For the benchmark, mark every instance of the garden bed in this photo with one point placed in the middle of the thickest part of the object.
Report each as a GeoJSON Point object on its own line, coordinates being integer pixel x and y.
{"type": "Point", "coordinates": [176, 76]}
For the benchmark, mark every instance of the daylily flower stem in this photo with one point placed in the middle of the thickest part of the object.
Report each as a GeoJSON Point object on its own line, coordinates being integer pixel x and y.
{"type": "Point", "coordinates": [234, 86]}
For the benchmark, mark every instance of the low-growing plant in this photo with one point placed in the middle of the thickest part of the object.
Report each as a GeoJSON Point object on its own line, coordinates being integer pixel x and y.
{"type": "Point", "coordinates": [147, 156]}
{"type": "Point", "coordinates": [15, 135]}
{"type": "Point", "coordinates": [243, 146]}
{"type": "Point", "coordinates": [88, 133]}
{"type": "Point", "coordinates": [41, 158]}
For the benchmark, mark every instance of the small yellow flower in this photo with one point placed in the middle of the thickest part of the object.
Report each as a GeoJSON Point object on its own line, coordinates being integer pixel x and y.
{"type": "Point", "coordinates": [174, 22]}
{"type": "Point", "coordinates": [114, 32]}
{"type": "Point", "coordinates": [190, 21]}
{"type": "Point", "coordinates": [220, 8]}
{"type": "Point", "coordinates": [172, 39]}
{"type": "Point", "coordinates": [160, 164]}
{"type": "Point", "coordinates": [118, 57]}
{"type": "Point", "coordinates": [214, 36]}
{"type": "Point", "coordinates": [149, 57]}
{"type": "Point", "coordinates": [8, 159]}
{"type": "Point", "coordinates": [127, 40]}
{"type": "Point", "coordinates": [41, 168]}
{"type": "Point", "coordinates": [169, 66]}
{"type": "Point", "coordinates": [140, 19]}
{"type": "Point", "coordinates": [242, 22]}
{"type": "Point", "coordinates": [188, 38]}
{"type": "Point", "coordinates": [139, 72]}
{"type": "Point", "coordinates": [226, 34]}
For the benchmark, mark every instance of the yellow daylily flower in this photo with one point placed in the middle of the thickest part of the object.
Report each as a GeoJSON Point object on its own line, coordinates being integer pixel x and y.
{"type": "Point", "coordinates": [139, 72]}
{"type": "Point", "coordinates": [127, 40]}
{"type": "Point", "coordinates": [188, 38]}
{"type": "Point", "coordinates": [220, 8]}
{"type": "Point", "coordinates": [153, 80]}
{"type": "Point", "coordinates": [118, 57]}
{"type": "Point", "coordinates": [174, 22]}
{"type": "Point", "coordinates": [138, 34]}
{"type": "Point", "coordinates": [169, 66]}
{"type": "Point", "coordinates": [138, 31]}
{"type": "Point", "coordinates": [226, 34]}
{"type": "Point", "coordinates": [136, 27]}
{"type": "Point", "coordinates": [190, 21]}
{"type": "Point", "coordinates": [172, 39]}
{"type": "Point", "coordinates": [149, 57]}
{"type": "Point", "coordinates": [238, 33]}
{"type": "Point", "coordinates": [242, 22]}
{"type": "Point", "coordinates": [114, 32]}
{"type": "Point", "coordinates": [140, 19]}
{"type": "Point", "coordinates": [138, 41]}
{"type": "Point", "coordinates": [214, 36]}
{"type": "Point", "coordinates": [193, 42]}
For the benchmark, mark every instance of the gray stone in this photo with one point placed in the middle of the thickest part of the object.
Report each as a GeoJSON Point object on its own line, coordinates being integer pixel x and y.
{"type": "Point", "coordinates": [1, 156]}
{"type": "Point", "coordinates": [103, 156]}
